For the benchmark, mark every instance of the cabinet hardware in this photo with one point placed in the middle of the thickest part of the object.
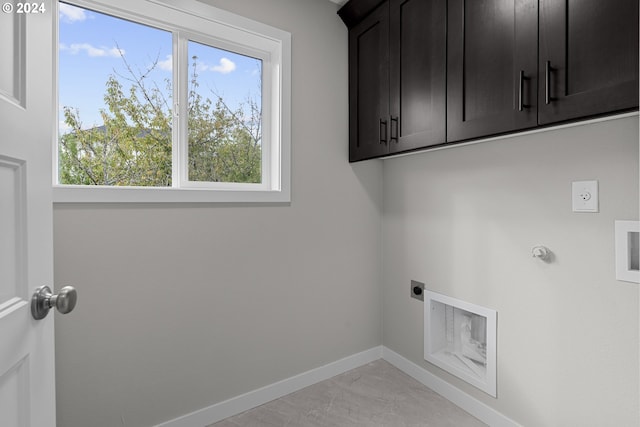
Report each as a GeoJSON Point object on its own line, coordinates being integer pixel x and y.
{"type": "Point", "coordinates": [394, 134]}
{"type": "Point", "coordinates": [547, 83]}
{"type": "Point", "coordinates": [383, 135]}
{"type": "Point", "coordinates": [521, 104]}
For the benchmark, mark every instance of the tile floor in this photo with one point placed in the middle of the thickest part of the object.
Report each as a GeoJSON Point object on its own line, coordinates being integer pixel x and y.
{"type": "Point", "coordinates": [374, 395]}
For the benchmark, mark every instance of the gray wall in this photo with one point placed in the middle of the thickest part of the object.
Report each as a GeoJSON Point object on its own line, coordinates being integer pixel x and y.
{"type": "Point", "coordinates": [181, 307]}
{"type": "Point", "coordinates": [184, 306]}
{"type": "Point", "coordinates": [463, 221]}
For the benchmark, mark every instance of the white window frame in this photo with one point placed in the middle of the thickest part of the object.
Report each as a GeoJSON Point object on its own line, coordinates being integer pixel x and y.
{"type": "Point", "coordinates": [196, 21]}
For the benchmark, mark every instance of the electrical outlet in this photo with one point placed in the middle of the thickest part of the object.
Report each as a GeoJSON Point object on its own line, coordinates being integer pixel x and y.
{"type": "Point", "coordinates": [584, 196]}
{"type": "Point", "coordinates": [417, 290]}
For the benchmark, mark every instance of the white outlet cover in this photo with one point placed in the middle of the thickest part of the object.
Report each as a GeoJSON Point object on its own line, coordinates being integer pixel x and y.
{"type": "Point", "coordinates": [584, 196]}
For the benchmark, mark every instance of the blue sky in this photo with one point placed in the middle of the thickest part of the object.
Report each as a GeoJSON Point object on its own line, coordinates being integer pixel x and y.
{"type": "Point", "coordinates": [93, 45]}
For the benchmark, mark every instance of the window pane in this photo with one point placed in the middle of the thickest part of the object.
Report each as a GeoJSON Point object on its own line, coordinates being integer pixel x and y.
{"type": "Point", "coordinates": [115, 101]}
{"type": "Point", "coordinates": [225, 116]}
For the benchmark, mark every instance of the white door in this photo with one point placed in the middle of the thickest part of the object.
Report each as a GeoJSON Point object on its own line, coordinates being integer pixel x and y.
{"type": "Point", "coordinates": [27, 390]}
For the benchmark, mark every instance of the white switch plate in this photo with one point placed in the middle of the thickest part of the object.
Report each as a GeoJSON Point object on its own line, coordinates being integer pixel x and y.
{"type": "Point", "coordinates": [584, 196]}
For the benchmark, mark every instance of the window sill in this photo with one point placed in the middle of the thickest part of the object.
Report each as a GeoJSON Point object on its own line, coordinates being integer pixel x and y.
{"type": "Point", "coordinates": [92, 194]}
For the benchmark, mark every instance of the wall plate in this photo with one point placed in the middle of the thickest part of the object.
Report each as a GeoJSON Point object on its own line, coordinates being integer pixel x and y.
{"type": "Point", "coordinates": [417, 290]}
{"type": "Point", "coordinates": [584, 196]}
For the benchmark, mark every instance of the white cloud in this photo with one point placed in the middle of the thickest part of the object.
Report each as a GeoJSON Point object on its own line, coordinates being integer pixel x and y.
{"type": "Point", "coordinates": [63, 127]}
{"type": "Point", "coordinates": [92, 51]}
{"type": "Point", "coordinates": [225, 66]}
{"type": "Point", "coordinates": [71, 14]}
{"type": "Point", "coordinates": [167, 64]}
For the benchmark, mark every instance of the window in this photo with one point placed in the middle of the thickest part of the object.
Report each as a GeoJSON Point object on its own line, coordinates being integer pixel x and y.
{"type": "Point", "coordinates": [170, 101]}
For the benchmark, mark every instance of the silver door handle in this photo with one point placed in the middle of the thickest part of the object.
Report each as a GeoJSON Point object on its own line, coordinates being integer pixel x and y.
{"type": "Point", "coordinates": [43, 300]}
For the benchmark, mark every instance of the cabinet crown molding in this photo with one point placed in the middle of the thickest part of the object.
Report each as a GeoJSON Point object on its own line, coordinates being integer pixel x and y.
{"type": "Point", "coordinates": [353, 12]}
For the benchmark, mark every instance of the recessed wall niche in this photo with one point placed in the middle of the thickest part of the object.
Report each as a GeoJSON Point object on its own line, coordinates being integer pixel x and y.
{"type": "Point", "coordinates": [460, 338]}
{"type": "Point", "coordinates": [627, 251]}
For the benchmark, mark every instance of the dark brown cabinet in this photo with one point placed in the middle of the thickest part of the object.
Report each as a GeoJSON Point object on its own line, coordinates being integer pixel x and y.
{"type": "Point", "coordinates": [492, 66]}
{"type": "Point", "coordinates": [369, 86]}
{"type": "Point", "coordinates": [418, 74]}
{"type": "Point", "coordinates": [432, 72]}
{"type": "Point", "coordinates": [515, 65]}
{"type": "Point", "coordinates": [397, 75]}
{"type": "Point", "coordinates": [588, 58]}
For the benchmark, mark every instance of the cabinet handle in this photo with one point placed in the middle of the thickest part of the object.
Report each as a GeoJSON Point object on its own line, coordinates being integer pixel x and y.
{"type": "Point", "coordinates": [521, 104]}
{"type": "Point", "coordinates": [394, 134]}
{"type": "Point", "coordinates": [547, 83]}
{"type": "Point", "coordinates": [383, 135]}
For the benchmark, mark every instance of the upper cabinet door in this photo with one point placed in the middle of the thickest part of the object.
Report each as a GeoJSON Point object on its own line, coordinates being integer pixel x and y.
{"type": "Point", "coordinates": [369, 126]}
{"type": "Point", "coordinates": [418, 74]}
{"type": "Point", "coordinates": [492, 67]}
{"type": "Point", "coordinates": [588, 58]}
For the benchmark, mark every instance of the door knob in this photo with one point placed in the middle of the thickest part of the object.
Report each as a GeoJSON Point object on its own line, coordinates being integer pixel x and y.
{"type": "Point", "coordinates": [43, 300]}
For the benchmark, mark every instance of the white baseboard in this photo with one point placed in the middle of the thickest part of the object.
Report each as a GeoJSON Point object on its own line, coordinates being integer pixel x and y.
{"type": "Point", "coordinates": [470, 404]}
{"type": "Point", "coordinates": [252, 399]}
